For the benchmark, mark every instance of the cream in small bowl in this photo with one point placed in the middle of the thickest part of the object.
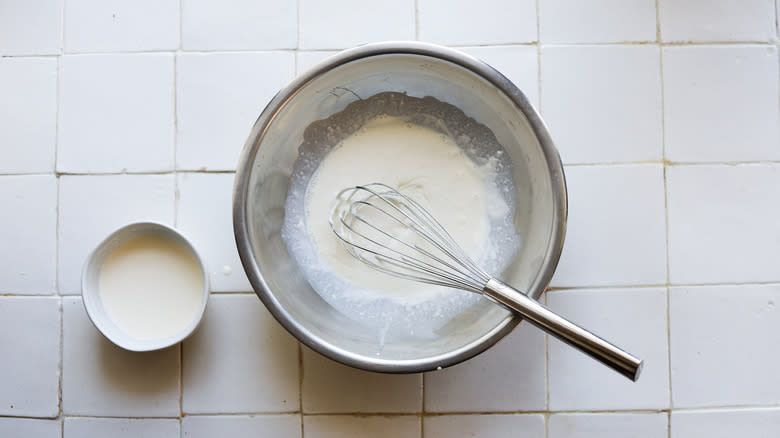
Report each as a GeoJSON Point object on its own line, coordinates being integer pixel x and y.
{"type": "Point", "coordinates": [145, 287]}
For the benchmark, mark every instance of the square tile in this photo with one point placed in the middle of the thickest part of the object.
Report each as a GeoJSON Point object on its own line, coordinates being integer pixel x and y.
{"type": "Point", "coordinates": [616, 229]}
{"type": "Point", "coordinates": [240, 361]}
{"type": "Point", "coordinates": [603, 103]}
{"type": "Point", "coordinates": [633, 319]}
{"type": "Point", "coordinates": [239, 25]}
{"type": "Point", "coordinates": [241, 426]}
{"type": "Point", "coordinates": [116, 113]}
{"type": "Point", "coordinates": [31, 27]}
{"type": "Point", "coordinates": [726, 423]}
{"type": "Point", "coordinates": [510, 376]}
{"type": "Point", "coordinates": [330, 387]}
{"type": "Point", "coordinates": [218, 98]}
{"type": "Point", "coordinates": [520, 64]}
{"type": "Point", "coordinates": [463, 22]}
{"type": "Point", "coordinates": [306, 59]}
{"type": "Point", "coordinates": [611, 425]}
{"type": "Point", "coordinates": [343, 426]}
{"type": "Point", "coordinates": [93, 206]}
{"type": "Point", "coordinates": [28, 115]}
{"type": "Point", "coordinates": [720, 103]}
{"type": "Point", "coordinates": [120, 428]}
{"type": "Point", "coordinates": [723, 225]}
{"type": "Point", "coordinates": [28, 232]}
{"type": "Point", "coordinates": [124, 25]}
{"type": "Point", "coordinates": [212, 234]}
{"type": "Point", "coordinates": [339, 24]}
{"type": "Point", "coordinates": [101, 379]}
{"type": "Point", "coordinates": [486, 426]}
{"type": "Point", "coordinates": [26, 427]}
{"type": "Point", "coordinates": [601, 21]}
{"type": "Point", "coordinates": [724, 364]}
{"type": "Point", "coordinates": [30, 348]}
{"type": "Point", "coordinates": [716, 20]}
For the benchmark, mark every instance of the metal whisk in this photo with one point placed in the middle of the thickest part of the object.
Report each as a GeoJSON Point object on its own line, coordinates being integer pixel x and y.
{"type": "Point", "coordinates": [392, 233]}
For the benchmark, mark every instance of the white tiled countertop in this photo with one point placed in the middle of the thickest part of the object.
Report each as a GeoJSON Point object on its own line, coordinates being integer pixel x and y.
{"type": "Point", "coordinates": [666, 114]}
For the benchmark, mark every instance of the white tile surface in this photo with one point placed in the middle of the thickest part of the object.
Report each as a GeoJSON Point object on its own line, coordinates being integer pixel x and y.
{"type": "Point", "coordinates": [26, 428]}
{"type": "Point", "coordinates": [510, 376]}
{"type": "Point", "coordinates": [635, 320]}
{"type": "Point", "coordinates": [28, 116]}
{"type": "Point", "coordinates": [330, 387]}
{"type": "Point", "coordinates": [601, 21]}
{"type": "Point", "coordinates": [31, 27]}
{"type": "Point", "coordinates": [520, 64]}
{"type": "Point", "coordinates": [603, 103]}
{"type": "Point", "coordinates": [28, 232]}
{"type": "Point", "coordinates": [93, 206]}
{"type": "Point", "coordinates": [129, 87]}
{"type": "Point", "coordinates": [721, 103]}
{"type": "Point", "coordinates": [485, 426]}
{"type": "Point", "coordinates": [463, 22]}
{"type": "Point", "coordinates": [239, 360]}
{"type": "Point", "coordinates": [726, 423]}
{"type": "Point", "coordinates": [239, 25]}
{"type": "Point", "coordinates": [116, 113]}
{"type": "Point", "coordinates": [306, 59]}
{"type": "Point", "coordinates": [342, 426]}
{"type": "Point", "coordinates": [716, 20]}
{"type": "Point", "coordinates": [121, 25]}
{"type": "Point", "coordinates": [101, 379]}
{"type": "Point", "coordinates": [612, 425]}
{"type": "Point", "coordinates": [717, 362]}
{"type": "Point", "coordinates": [616, 232]}
{"type": "Point", "coordinates": [339, 24]}
{"type": "Point", "coordinates": [212, 234]}
{"type": "Point", "coordinates": [120, 428]}
{"type": "Point", "coordinates": [723, 225]}
{"type": "Point", "coordinates": [29, 346]}
{"type": "Point", "coordinates": [218, 98]}
{"type": "Point", "coordinates": [241, 426]}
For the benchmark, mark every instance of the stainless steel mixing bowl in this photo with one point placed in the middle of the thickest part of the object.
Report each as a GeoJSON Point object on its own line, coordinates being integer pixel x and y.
{"type": "Point", "coordinates": [420, 70]}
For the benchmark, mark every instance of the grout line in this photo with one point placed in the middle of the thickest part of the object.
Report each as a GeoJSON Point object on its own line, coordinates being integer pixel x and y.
{"type": "Point", "coordinates": [539, 58]}
{"type": "Point", "coordinates": [666, 217]}
{"type": "Point", "coordinates": [417, 20]}
{"type": "Point", "coordinates": [546, 416]}
{"type": "Point", "coordinates": [175, 140]}
{"type": "Point", "coordinates": [61, 310]}
{"type": "Point", "coordinates": [57, 180]}
{"type": "Point", "coordinates": [666, 163]}
{"type": "Point", "coordinates": [456, 46]}
{"type": "Point", "coordinates": [547, 291]}
{"type": "Point", "coordinates": [699, 409]}
{"type": "Point", "coordinates": [297, 28]}
{"type": "Point", "coordinates": [423, 411]}
{"type": "Point", "coordinates": [544, 296]}
{"type": "Point", "coordinates": [63, 22]}
{"type": "Point", "coordinates": [300, 383]}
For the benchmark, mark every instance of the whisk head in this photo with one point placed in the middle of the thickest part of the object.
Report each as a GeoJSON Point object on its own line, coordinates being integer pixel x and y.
{"type": "Point", "coordinates": [394, 234]}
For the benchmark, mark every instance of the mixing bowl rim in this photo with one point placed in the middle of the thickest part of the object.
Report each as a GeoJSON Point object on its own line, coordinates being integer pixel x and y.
{"type": "Point", "coordinates": [252, 146]}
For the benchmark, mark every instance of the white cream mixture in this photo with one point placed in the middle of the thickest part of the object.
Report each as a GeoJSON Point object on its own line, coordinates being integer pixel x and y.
{"type": "Point", "coordinates": [151, 286]}
{"type": "Point", "coordinates": [430, 168]}
{"type": "Point", "coordinates": [419, 162]}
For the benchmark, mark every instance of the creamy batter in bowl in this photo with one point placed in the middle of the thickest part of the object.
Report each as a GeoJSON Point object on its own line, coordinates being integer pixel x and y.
{"type": "Point", "coordinates": [418, 70]}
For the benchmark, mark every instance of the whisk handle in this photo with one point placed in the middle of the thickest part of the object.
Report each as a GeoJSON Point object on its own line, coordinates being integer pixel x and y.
{"type": "Point", "coordinates": [563, 329]}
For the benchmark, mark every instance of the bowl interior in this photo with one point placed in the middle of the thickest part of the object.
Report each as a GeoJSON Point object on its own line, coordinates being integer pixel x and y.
{"type": "Point", "coordinates": [93, 303]}
{"type": "Point", "coordinates": [271, 153]}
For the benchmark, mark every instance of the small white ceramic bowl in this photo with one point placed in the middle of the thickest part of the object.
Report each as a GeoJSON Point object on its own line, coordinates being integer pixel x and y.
{"type": "Point", "coordinates": [91, 296]}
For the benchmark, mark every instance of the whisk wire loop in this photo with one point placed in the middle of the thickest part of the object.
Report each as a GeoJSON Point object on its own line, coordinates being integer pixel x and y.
{"type": "Point", "coordinates": [427, 253]}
